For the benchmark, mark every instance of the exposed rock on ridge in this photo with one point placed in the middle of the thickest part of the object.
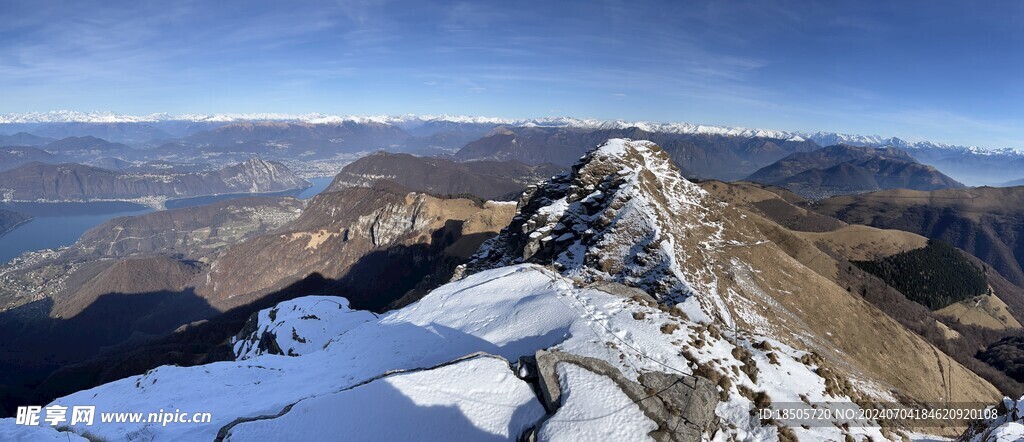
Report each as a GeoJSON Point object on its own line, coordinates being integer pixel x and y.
{"type": "Point", "coordinates": [394, 236]}
{"type": "Point", "coordinates": [609, 220]}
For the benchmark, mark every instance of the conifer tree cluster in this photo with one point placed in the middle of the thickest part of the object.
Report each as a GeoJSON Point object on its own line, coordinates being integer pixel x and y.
{"type": "Point", "coordinates": [935, 276]}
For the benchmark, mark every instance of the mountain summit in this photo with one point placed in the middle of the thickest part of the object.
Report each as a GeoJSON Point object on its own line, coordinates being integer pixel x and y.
{"type": "Point", "coordinates": [842, 168]}
{"type": "Point", "coordinates": [621, 215]}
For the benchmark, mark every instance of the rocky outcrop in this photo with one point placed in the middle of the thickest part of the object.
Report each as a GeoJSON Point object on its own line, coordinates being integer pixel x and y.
{"type": "Point", "coordinates": [295, 328]}
{"type": "Point", "coordinates": [682, 406]}
{"type": "Point", "coordinates": [374, 245]}
{"type": "Point", "coordinates": [610, 219]}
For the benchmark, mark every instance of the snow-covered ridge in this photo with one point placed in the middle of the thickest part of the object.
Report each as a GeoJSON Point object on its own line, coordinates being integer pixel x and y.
{"type": "Point", "coordinates": [421, 353]}
{"type": "Point", "coordinates": [611, 206]}
{"type": "Point", "coordinates": [412, 120]}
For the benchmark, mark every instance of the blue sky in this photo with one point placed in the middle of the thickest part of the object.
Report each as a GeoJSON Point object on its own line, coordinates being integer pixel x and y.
{"type": "Point", "coordinates": [937, 70]}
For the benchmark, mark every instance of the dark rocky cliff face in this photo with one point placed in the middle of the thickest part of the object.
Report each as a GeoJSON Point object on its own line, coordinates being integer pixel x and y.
{"type": "Point", "coordinates": [37, 181]}
{"type": "Point", "coordinates": [384, 239]}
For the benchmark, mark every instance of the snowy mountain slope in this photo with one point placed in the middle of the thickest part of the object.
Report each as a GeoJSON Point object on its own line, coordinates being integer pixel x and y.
{"type": "Point", "coordinates": [736, 310]}
{"type": "Point", "coordinates": [298, 327]}
{"type": "Point", "coordinates": [510, 312]}
{"type": "Point", "coordinates": [478, 398]}
{"type": "Point", "coordinates": [436, 330]}
{"type": "Point", "coordinates": [589, 395]}
{"type": "Point", "coordinates": [10, 431]}
{"type": "Point", "coordinates": [1008, 426]}
{"type": "Point", "coordinates": [625, 215]}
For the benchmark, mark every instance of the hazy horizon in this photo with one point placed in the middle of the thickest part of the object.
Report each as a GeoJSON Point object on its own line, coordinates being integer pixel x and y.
{"type": "Point", "coordinates": [323, 117]}
{"type": "Point", "coordinates": [937, 71]}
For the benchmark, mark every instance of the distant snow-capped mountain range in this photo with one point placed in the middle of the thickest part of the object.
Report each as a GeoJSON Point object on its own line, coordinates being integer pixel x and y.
{"type": "Point", "coordinates": [411, 120]}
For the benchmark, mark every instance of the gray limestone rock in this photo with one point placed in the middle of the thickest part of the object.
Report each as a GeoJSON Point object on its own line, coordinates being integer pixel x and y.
{"type": "Point", "coordinates": [683, 406]}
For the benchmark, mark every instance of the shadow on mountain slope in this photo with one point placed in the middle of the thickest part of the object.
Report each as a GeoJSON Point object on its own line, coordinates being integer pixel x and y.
{"type": "Point", "coordinates": [370, 412]}
{"type": "Point", "coordinates": [123, 335]}
{"type": "Point", "coordinates": [37, 344]}
{"type": "Point", "coordinates": [401, 274]}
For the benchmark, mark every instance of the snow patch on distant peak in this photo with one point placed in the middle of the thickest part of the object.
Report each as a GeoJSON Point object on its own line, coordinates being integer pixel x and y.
{"type": "Point", "coordinates": [67, 116]}
{"type": "Point", "coordinates": [412, 120]}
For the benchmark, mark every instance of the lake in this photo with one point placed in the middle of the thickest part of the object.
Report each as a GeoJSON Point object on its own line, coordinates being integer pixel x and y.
{"type": "Point", "coordinates": [61, 224]}
{"type": "Point", "coordinates": [58, 224]}
{"type": "Point", "coordinates": [319, 185]}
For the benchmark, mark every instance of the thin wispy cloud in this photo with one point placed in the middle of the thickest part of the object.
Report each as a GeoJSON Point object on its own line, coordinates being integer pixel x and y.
{"type": "Point", "coordinates": [848, 67]}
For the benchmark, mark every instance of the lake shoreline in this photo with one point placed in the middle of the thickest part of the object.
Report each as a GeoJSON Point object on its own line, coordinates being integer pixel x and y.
{"type": "Point", "coordinates": [55, 224]}
{"type": "Point", "coordinates": [160, 202]}
{"type": "Point", "coordinates": [16, 225]}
